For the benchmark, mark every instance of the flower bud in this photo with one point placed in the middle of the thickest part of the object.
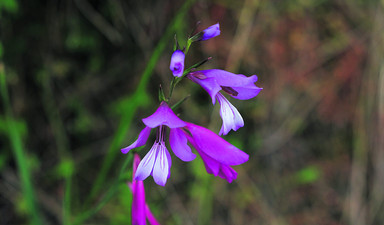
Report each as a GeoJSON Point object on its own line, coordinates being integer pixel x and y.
{"type": "Point", "coordinates": [211, 32]}
{"type": "Point", "coordinates": [177, 63]}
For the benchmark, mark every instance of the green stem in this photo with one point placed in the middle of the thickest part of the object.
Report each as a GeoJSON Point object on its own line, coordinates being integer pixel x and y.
{"type": "Point", "coordinates": [108, 196]}
{"type": "Point", "coordinates": [19, 153]}
{"type": "Point", "coordinates": [189, 42]}
{"type": "Point", "coordinates": [67, 201]}
{"type": "Point", "coordinates": [135, 103]}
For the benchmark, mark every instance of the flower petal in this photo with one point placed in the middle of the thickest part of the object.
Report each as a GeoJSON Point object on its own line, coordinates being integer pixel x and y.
{"type": "Point", "coordinates": [146, 165]}
{"type": "Point", "coordinates": [228, 79]}
{"type": "Point", "coordinates": [169, 162]}
{"type": "Point", "coordinates": [136, 162]}
{"type": "Point", "coordinates": [152, 220]}
{"type": "Point", "coordinates": [177, 63]}
{"type": "Point", "coordinates": [179, 146]}
{"type": "Point", "coordinates": [163, 116]}
{"type": "Point", "coordinates": [212, 166]}
{"type": "Point", "coordinates": [244, 87]}
{"type": "Point", "coordinates": [141, 140]}
{"type": "Point", "coordinates": [209, 84]}
{"type": "Point", "coordinates": [245, 93]}
{"type": "Point", "coordinates": [232, 119]}
{"type": "Point", "coordinates": [161, 168]}
{"type": "Point", "coordinates": [216, 147]}
{"type": "Point", "coordinates": [226, 172]}
{"type": "Point", "coordinates": [211, 32]}
{"type": "Point", "coordinates": [138, 204]}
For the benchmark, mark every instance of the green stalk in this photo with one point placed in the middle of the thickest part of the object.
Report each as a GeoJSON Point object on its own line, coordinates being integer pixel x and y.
{"type": "Point", "coordinates": [108, 196]}
{"type": "Point", "coordinates": [135, 103]}
{"type": "Point", "coordinates": [19, 153]}
{"type": "Point", "coordinates": [67, 201]}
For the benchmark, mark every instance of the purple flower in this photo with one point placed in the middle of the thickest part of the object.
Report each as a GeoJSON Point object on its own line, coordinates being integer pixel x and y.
{"type": "Point", "coordinates": [236, 85]}
{"type": "Point", "coordinates": [140, 210]}
{"type": "Point", "coordinates": [210, 32]}
{"type": "Point", "coordinates": [157, 162]}
{"type": "Point", "coordinates": [177, 63]}
{"type": "Point", "coordinates": [217, 154]}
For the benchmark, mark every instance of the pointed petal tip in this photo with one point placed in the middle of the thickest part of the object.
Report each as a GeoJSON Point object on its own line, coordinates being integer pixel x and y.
{"type": "Point", "coordinates": [161, 183]}
{"type": "Point", "coordinates": [125, 150]}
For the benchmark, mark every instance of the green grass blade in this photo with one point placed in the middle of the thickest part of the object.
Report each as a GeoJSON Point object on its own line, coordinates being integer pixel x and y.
{"type": "Point", "coordinates": [19, 153]}
{"type": "Point", "coordinates": [108, 196]}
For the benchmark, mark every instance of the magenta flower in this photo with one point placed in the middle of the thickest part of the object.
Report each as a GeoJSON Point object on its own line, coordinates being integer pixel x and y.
{"type": "Point", "coordinates": [236, 85]}
{"type": "Point", "coordinates": [140, 210]}
{"type": "Point", "coordinates": [157, 162]}
{"type": "Point", "coordinates": [177, 63]}
{"type": "Point", "coordinates": [217, 154]}
{"type": "Point", "coordinates": [210, 32]}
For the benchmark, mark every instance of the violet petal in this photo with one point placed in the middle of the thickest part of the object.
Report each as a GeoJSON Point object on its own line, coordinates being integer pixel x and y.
{"type": "Point", "coordinates": [232, 119]}
{"type": "Point", "coordinates": [151, 218]}
{"type": "Point", "coordinates": [138, 204]}
{"type": "Point", "coordinates": [141, 140]}
{"type": "Point", "coordinates": [243, 85]}
{"type": "Point", "coordinates": [163, 116]}
{"type": "Point", "coordinates": [226, 172]}
{"type": "Point", "coordinates": [146, 165]}
{"type": "Point", "coordinates": [216, 147]}
{"type": "Point", "coordinates": [179, 146]}
{"type": "Point", "coordinates": [210, 85]}
{"type": "Point", "coordinates": [161, 168]}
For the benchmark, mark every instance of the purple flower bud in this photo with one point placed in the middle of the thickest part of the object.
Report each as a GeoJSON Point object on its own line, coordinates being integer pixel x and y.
{"type": "Point", "coordinates": [177, 63]}
{"type": "Point", "coordinates": [211, 32]}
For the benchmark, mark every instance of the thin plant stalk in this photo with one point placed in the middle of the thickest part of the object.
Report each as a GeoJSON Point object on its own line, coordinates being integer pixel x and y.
{"type": "Point", "coordinates": [19, 153]}
{"type": "Point", "coordinates": [135, 102]}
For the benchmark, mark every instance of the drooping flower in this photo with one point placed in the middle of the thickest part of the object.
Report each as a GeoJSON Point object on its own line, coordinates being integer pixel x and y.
{"type": "Point", "coordinates": [236, 85]}
{"type": "Point", "coordinates": [140, 210]}
{"type": "Point", "coordinates": [210, 32]}
{"type": "Point", "coordinates": [231, 117]}
{"type": "Point", "coordinates": [217, 154]}
{"type": "Point", "coordinates": [177, 63]}
{"type": "Point", "coordinates": [157, 162]}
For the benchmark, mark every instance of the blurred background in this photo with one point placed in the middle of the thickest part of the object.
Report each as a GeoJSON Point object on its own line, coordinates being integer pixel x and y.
{"type": "Point", "coordinates": [77, 76]}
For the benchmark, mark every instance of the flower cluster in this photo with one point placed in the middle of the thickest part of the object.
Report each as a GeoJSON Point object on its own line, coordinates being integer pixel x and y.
{"type": "Point", "coordinates": [217, 154]}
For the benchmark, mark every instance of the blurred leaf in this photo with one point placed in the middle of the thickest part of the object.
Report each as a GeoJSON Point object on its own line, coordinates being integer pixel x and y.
{"type": "Point", "coordinates": [125, 196]}
{"type": "Point", "coordinates": [9, 5]}
{"type": "Point", "coordinates": [21, 205]}
{"type": "Point", "coordinates": [3, 159]}
{"type": "Point", "coordinates": [20, 126]}
{"type": "Point", "coordinates": [80, 41]}
{"type": "Point", "coordinates": [236, 142]}
{"type": "Point", "coordinates": [122, 105]}
{"type": "Point", "coordinates": [65, 168]}
{"type": "Point", "coordinates": [122, 215]}
{"type": "Point", "coordinates": [33, 162]}
{"type": "Point", "coordinates": [95, 62]}
{"type": "Point", "coordinates": [308, 175]}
